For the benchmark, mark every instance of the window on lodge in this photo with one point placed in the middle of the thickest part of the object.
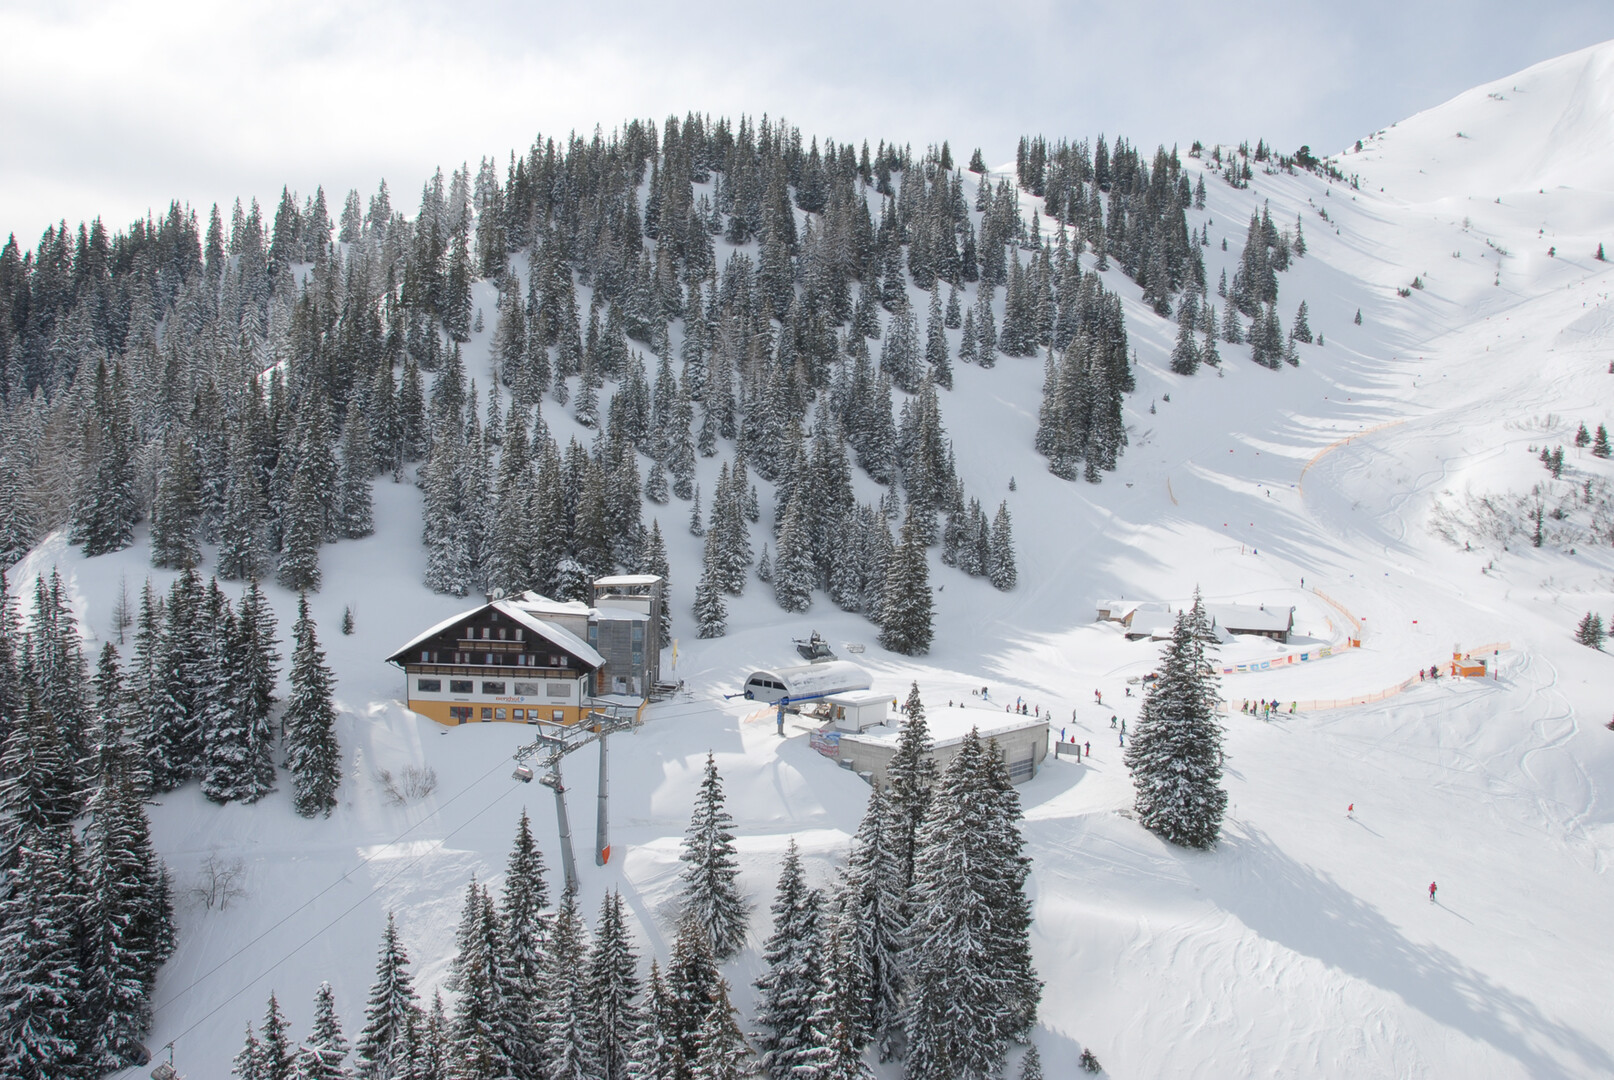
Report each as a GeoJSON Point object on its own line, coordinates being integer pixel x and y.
{"type": "Point", "coordinates": [459, 714]}
{"type": "Point", "coordinates": [493, 688]}
{"type": "Point", "coordinates": [459, 686]}
{"type": "Point", "coordinates": [429, 686]}
{"type": "Point", "coordinates": [526, 689]}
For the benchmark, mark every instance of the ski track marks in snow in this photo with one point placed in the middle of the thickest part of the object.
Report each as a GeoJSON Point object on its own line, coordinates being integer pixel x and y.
{"type": "Point", "coordinates": [1305, 944]}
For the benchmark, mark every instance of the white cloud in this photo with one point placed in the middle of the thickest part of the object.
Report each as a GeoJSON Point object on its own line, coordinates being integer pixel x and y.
{"type": "Point", "coordinates": [117, 107]}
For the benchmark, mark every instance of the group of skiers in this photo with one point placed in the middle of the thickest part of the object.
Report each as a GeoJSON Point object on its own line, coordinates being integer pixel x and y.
{"type": "Point", "coordinates": [1265, 709]}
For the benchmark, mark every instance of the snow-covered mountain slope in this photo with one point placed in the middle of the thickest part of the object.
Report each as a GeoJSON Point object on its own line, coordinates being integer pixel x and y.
{"type": "Point", "coordinates": [1304, 945]}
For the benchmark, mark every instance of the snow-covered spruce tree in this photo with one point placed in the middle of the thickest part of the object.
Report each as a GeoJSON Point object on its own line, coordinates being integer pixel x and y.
{"type": "Point", "coordinates": [41, 978]}
{"type": "Point", "coordinates": [270, 1057]}
{"type": "Point", "coordinates": [612, 1019]}
{"type": "Point", "coordinates": [1176, 750]}
{"type": "Point", "coordinates": [1031, 1064]}
{"type": "Point", "coordinates": [1301, 331]}
{"type": "Point", "coordinates": [691, 982]}
{"type": "Point", "coordinates": [176, 512]}
{"type": "Point", "coordinates": [433, 1059]}
{"type": "Point", "coordinates": [256, 670]}
{"type": "Point", "coordinates": [1000, 568]}
{"type": "Point", "coordinates": [905, 613]}
{"type": "Point", "coordinates": [385, 1049]}
{"type": "Point", "coordinates": [38, 782]}
{"type": "Point", "coordinates": [303, 528]}
{"type": "Point", "coordinates": [479, 1036]}
{"type": "Point", "coordinates": [794, 573]}
{"type": "Point", "coordinates": [227, 767]}
{"type": "Point", "coordinates": [911, 775]}
{"type": "Point", "coordinates": [128, 922]}
{"type": "Point", "coordinates": [711, 612]}
{"type": "Point", "coordinates": [970, 989]}
{"type": "Point", "coordinates": [241, 543]}
{"type": "Point", "coordinates": [836, 1029]}
{"type": "Point", "coordinates": [324, 1053]}
{"type": "Point", "coordinates": [521, 906]}
{"type": "Point", "coordinates": [1185, 358]}
{"type": "Point", "coordinates": [789, 988]}
{"type": "Point", "coordinates": [18, 528]}
{"type": "Point", "coordinates": [312, 753]}
{"type": "Point", "coordinates": [57, 665]}
{"type": "Point", "coordinates": [871, 921]}
{"type": "Point", "coordinates": [710, 895]}
{"type": "Point", "coordinates": [1590, 632]}
{"type": "Point", "coordinates": [724, 1054]}
{"type": "Point", "coordinates": [107, 505]}
{"type": "Point", "coordinates": [655, 1046]}
{"type": "Point", "coordinates": [562, 1020]}
{"type": "Point", "coordinates": [355, 514]}
{"type": "Point", "coordinates": [248, 1062]}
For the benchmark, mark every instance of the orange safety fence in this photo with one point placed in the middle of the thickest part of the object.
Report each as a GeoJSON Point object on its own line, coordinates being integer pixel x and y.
{"type": "Point", "coordinates": [1341, 608]}
{"type": "Point", "coordinates": [1321, 704]}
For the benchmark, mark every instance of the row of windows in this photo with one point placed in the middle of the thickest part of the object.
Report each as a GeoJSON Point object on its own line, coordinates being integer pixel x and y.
{"type": "Point", "coordinates": [487, 633]}
{"type": "Point", "coordinates": [522, 689]}
{"type": "Point", "coordinates": [465, 714]}
{"type": "Point", "coordinates": [429, 656]}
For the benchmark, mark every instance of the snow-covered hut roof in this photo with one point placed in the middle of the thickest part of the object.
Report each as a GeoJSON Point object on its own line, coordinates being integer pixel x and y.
{"type": "Point", "coordinates": [518, 613]}
{"type": "Point", "coordinates": [550, 632]}
{"type": "Point", "coordinates": [1250, 618]}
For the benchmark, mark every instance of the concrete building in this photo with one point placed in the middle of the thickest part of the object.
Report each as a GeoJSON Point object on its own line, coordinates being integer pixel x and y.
{"type": "Point", "coordinates": [1023, 741]}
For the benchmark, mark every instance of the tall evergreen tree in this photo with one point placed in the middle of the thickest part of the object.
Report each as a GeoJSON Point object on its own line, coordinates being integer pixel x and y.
{"type": "Point", "coordinates": [355, 514]}
{"type": "Point", "coordinates": [1000, 569]}
{"type": "Point", "coordinates": [563, 1019]}
{"type": "Point", "coordinates": [911, 774]}
{"type": "Point", "coordinates": [874, 899]}
{"type": "Point", "coordinates": [710, 895]}
{"type": "Point", "coordinates": [386, 1048]}
{"type": "Point", "coordinates": [312, 753]}
{"type": "Point", "coordinates": [613, 1019]}
{"type": "Point", "coordinates": [275, 1056]}
{"type": "Point", "coordinates": [905, 615]}
{"type": "Point", "coordinates": [41, 980]}
{"type": "Point", "coordinates": [711, 613]}
{"type": "Point", "coordinates": [478, 1037]}
{"type": "Point", "coordinates": [724, 1054]}
{"type": "Point", "coordinates": [323, 1054]}
{"type": "Point", "coordinates": [177, 511]}
{"type": "Point", "coordinates": [107, 506]}
{"type": "Point", "coordinates": [789, 988]}
{"type": "Point", "coordinates": [969, 979]}
{"type": "Point", "coordinates": [794, 572]}
{"type": "Point", "coordinates": [1176, 751]}
{"type": "Point", "coordinates": [303, 527]}
{"type": "Point", "coordinates": [255, 674]}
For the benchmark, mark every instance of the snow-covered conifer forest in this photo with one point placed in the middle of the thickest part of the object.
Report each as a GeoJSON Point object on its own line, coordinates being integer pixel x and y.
{"type": "Point", "coordinates": [1026, 436]}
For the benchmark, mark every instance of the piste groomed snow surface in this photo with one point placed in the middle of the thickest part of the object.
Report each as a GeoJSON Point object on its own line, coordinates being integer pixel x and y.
{"type": "Point", "coordinates": [1303, 945]}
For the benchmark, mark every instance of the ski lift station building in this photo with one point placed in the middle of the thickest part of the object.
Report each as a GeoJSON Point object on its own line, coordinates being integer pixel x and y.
{"type": "Point", "coordinates": [806, 682]}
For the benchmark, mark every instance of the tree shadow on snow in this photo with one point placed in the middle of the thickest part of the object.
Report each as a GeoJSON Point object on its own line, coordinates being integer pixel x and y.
{"type": "Point", "coordinates": [1304, 909]}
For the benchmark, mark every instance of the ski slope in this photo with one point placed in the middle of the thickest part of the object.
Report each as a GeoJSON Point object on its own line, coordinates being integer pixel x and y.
{"type": "Point", "coordinates": [1305, 944]}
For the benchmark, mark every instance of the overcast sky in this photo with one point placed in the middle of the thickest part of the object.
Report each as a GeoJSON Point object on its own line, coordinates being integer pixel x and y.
{"type": "Point", "coordinates": [112, 108]}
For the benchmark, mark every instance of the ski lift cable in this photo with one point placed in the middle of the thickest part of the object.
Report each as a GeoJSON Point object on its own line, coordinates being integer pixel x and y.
{"type": "Point", "coordinates": [311, 938]}
{"type": "Point", "coordinates": [194, 983]}
{"type": "Point", "coordinates": [338, 880]}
